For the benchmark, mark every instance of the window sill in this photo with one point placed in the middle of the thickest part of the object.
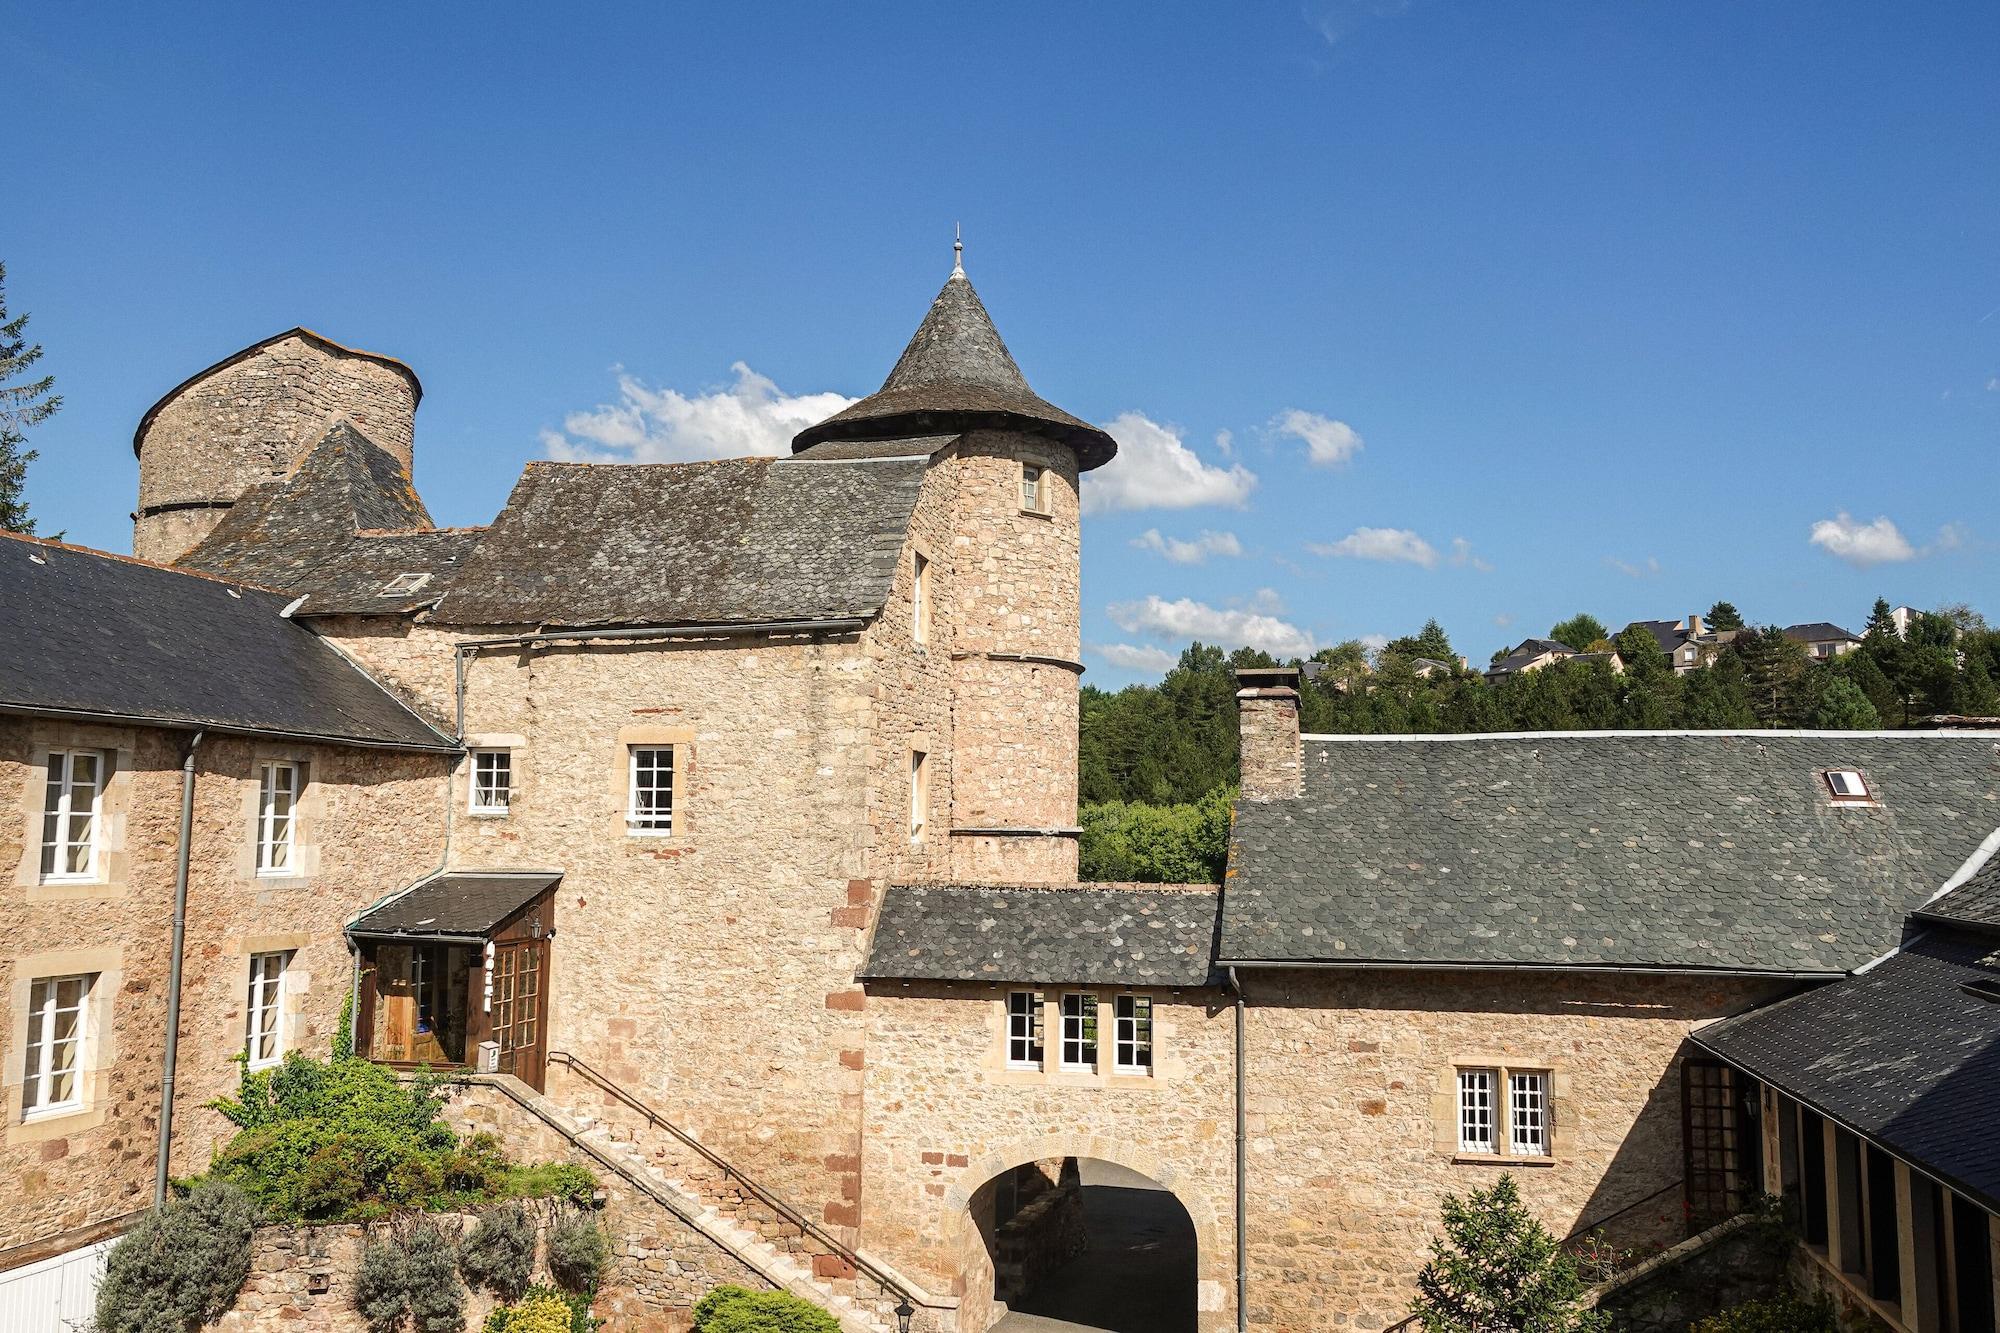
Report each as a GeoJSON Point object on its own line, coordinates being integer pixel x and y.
{"type": "Point", "coordinates": [281, 877]}
{"type": "Point", "coordinates": [481, 813]}
{"type": "Point", "coordinates": [1037, 513]}
{"type": "Point", "coordinates": [1500, 1159]}
{"type": "Point", "coordinates": [44, 1114]}
{"type": "Point", "coordinates": [259, 1066]}
{"type": "Point", "coordinates": [631, 832]}
{"type": "Point", "coordinates": [70, 881]}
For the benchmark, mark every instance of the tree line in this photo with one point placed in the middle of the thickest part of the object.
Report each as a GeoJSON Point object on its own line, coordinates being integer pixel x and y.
{"type": "Point", "coordinates": [1158, 763]}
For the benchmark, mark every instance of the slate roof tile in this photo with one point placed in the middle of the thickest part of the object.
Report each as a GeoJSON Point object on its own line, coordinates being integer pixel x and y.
{"type": "Point", "coordinates": [1901, 1052]}
{"type": "Point", "coordinates": [1704, 850]}
{"type": "Point", "coordinates": [458, 902]}
{"type": "Point", "coordinates": [82, 632]}
{"type": "Point", "coordinates": [1076, 934]}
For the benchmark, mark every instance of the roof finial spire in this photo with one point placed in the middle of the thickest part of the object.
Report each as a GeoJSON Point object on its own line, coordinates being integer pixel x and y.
{"type": "Point", "coordinates": [957, 252]}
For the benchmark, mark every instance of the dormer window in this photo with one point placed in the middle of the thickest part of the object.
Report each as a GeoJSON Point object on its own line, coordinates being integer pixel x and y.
{"type": "Point", "coordinates": [1848, 786]}
{"type": "Point", "coordinates": [403, 585]}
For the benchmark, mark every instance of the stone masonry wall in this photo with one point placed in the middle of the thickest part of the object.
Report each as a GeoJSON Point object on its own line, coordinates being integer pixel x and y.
{"type": "Point", "coordinates": [1351, 1089]}
{"type": "Point", "coordinates": [252, 420]}
{"type": "Point", "coordinates": [1016, 588]}
{"type": "Point", "coordinates": [945, 1116]}
{"type": "Point", "coordinates": [1273, 762]}
{"type": "Point", "coordinates": [370, 822]}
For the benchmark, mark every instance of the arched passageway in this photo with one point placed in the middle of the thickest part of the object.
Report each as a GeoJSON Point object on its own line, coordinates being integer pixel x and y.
{"type": "Point", "coordinates": [1078, 1245]}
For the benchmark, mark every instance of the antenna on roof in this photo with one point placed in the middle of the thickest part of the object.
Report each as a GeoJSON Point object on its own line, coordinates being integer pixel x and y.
{"type": "Point", "coordinates": [957, 252]}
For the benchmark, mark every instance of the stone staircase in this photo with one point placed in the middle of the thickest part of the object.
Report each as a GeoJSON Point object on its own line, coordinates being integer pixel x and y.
{"type": "Point", "coordinates": [762, 1233]}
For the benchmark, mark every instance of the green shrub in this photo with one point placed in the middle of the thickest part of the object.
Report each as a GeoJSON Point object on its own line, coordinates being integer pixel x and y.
{"type": "Point", "coordinates": [181, 1266]}
{"type": "Point", "coordinates": [346, 1139]}
{"type": "Point", "coordinates": [736, 1310]}
{"type": "Point", "coordinates": [579, 1251]}
{"type": "Point", "coordinates": [413, 1271]}
{"type": "Point", "coordinates": [499, 1255]}
{"type": "Point", "coordinates": [1496, 1267]}
{"type": "Point", "coordinates": [1780, 1314]}
{"type": "Point", "coordinates": [1157, 844]}
{"type": "Point", "coordinates": [381, 1286]}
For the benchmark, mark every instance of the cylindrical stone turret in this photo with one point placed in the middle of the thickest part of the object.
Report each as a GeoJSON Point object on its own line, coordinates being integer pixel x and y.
{"type": "Point", "coordinates": [249, 418]}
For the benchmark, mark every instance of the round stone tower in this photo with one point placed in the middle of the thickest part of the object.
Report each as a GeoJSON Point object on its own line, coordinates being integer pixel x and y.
{"type": "Point", "coordinates": [250, 418]}
{"type": "Point", "coordinates": [1007, 605]}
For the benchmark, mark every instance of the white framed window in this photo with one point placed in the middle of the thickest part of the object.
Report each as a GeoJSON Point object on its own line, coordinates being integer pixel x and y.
{"type": "Point", "coordinates": [649, 805]}
{"type": "Point", "coordinates": [1528, 1113]}
{"type": "Point", "coordinates": [53, 1059]}
{"type": "Point", "coordinates": [1847, 784]}
{"type": "Point", "coordinates": [403, 585]}
{"type": "Point", "coordinates": [1033, 489]}
{"type": "Point", "coordinates": [1024, 1029]}
{"type": "Point", "coordinates": [1132, 1036]}
{"type": "Point", "coordinates": [264, 1026]}
{"type": "Point", "coordinates": [1475, 1111]}
{"type": "Point", "coordinates": [920, 793]}
{"type": "Point", "coordinates": [492, 781]}
{"type": "Point", "coordinates": [72, 803]}
{"type": "Point", "coordinates": [279, 784]}
{"type": "Point", "coordinates": [1079, 1031]}
{"type": "Point", "coordinates": [920, 599]}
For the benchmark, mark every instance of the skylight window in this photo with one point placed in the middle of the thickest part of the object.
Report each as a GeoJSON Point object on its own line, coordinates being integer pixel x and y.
{"type": "Point", "coordinates": [404, 584]}
{"type": "Point", "coordinates": [1848, 786]}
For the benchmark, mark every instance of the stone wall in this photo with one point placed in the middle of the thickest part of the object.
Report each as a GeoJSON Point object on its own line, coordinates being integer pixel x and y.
{"type": "Point", "coordinates": [251, 419]}
{"type": "Point", "coordinates": [944, 1116]}
{"type": "Point", "coordinates": [370, 822]}
{"type": "Point", "coordinates": [1048, 1232]}
{"type": "Point", "coordinates": [1350, 1086]}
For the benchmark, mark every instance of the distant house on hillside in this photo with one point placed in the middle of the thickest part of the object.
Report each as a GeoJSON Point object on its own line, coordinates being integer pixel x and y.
{"type": "Point", "coordinates": [1534, 654]}
{"type": "Point", "coordinates": [1687, 643]}
{"type": "Point", "coordinates": [1823, 641]}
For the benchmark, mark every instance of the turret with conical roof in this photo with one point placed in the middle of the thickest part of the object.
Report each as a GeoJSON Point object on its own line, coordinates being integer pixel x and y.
{"type": "Point", "coordinates": [957, 375]}
{"type": "Point", "coordinates": [991, 693]}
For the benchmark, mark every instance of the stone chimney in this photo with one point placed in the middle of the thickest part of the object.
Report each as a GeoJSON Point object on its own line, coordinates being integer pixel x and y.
{"type": "Point", "coordinates": [1695, 628]}
{"type": "Point", "coordinates": [1267, 714]}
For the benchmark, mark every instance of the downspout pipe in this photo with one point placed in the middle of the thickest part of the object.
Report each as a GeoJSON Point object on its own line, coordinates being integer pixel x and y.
{"type": "Point", "coordinates": [173, 1042]}
{"type": "Point", "coordinates": [1242, 1154]}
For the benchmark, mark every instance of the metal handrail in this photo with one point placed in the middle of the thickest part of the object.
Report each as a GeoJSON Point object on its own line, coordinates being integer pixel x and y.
{"type": "Point", "coordinates": [657, 1121]}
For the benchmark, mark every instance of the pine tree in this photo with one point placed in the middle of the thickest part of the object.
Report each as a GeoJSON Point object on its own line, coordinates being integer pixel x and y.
{"type": "Point", "coordinates": [1838, 704]}
{"type": "Point", "coordinates": [1723, 616]}
{"type": "Point", "coordinates": [1774, 674]}
{"type": "Point", "coordinates": [1495, 1268]}
{"type": "Point", "coordinates": [21, 406]}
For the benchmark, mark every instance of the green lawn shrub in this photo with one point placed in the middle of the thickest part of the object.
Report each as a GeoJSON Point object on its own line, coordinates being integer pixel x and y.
{"type": "Point", "coordinates": [579, 1251]}
{"type": "Point", "coordinates": [1780, 1314]}
{"type": "Point", "coordinates": [181, 1266]}
{"type": "Point", "coordinates": [499, 1255]}
{"type": "Point", "coordinates": [737, 1310]}
{"type": "Point", "coordinates": [411, 1275]}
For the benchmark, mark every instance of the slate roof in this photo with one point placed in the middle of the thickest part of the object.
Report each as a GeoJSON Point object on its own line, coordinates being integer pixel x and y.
{"type": "Point", "coordinates": [1712, 850]}
{"type": "Point", "coordinates": [737, 541]}
{"type": "Point", "coordinates": [1528, 651]}
{"type": "Point", "coordinates": [916, 446]}
{"type": "Point", "coordinates": [1975, 903]}
{"type": "Point", "coordinates": [1081, 934]}
{"type": "Point", "coordinates": [1668, 634]}
{"type": "Point", "coordinates": [343, 525]}
{"type": "Point", "coordinates": [88, 634]}
{"type": "Point", "coordinates": [957, 374]}
{"type": "Point", "coordinates": [458, 902]}
{"type": "Point", "coordinates": [1900, 1053]}
{"type": "Point", "coordinates": [1819, 631]}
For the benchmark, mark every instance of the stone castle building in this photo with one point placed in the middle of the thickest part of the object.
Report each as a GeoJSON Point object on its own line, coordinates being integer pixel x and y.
{"type": "Point", "coordinates": [733, 804]}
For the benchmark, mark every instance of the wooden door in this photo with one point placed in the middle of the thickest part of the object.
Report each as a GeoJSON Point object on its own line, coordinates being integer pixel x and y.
{"type": "Point", "coordinates": [520, 1008]}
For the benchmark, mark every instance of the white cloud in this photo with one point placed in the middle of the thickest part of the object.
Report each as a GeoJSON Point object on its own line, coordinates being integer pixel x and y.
{"type": "Point", "coordinates": [1643, 569]}
{"type": "Point", "coordinates": [1463, 558]}
{"type": "Point", "coordinates": [1950, 537]}
{"type": "Point", "coordinates": [1993, 384]}
{"type": "Point", "coordinates": [648, 425]}
{"type": "Point", "coordinates": [1195, 552]}
{"type": "Point", "coordinates": [1862, 544]}
{"type": "Point", "coordinates": [1374, 643]}
{"type": "Point", "coordinates": [1135, 657]}
{"type": "Point", "coordinates": [1327, 441]}
{"type": "Point", "coordinates": [1399, 545]}
{"type": "Point", "coordinates": [1154, 469]}
{"type": "Point", "coordinates": [1186, 618]}
{"type": "Point", "coordinates": [1503, 620]}
{"type": "Point", "coordinates": [1225, 443]}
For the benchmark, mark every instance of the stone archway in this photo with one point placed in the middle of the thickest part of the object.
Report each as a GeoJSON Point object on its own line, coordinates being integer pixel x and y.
{"type": "Point", "coordinates": [1077, 1231]}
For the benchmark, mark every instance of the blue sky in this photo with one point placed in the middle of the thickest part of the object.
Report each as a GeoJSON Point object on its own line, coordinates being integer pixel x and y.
{"type": "Point", "coordinates": [1484, 310]}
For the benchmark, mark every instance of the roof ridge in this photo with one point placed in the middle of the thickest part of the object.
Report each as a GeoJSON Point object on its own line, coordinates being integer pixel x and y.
{"type": "Point", "coordinates": [74, 549]}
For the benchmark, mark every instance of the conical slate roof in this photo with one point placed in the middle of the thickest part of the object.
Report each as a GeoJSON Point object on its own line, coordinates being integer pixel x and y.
{"type": "Point", "coordinates": [957, 375]}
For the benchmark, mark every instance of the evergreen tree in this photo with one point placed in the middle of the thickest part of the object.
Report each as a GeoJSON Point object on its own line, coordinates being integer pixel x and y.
{"type": "Point", "coordinates": [1651, 689]}
{"type": "Point", "coordinates": [21, 406]}
{"type": "Point", "coordinates": [1838, 704]}
{"type": "Point", "coordinates": [1859, 667]}
{"type": "Point", "coordinates": [1716, 698]}
{"type": "Point", "coordinates": [1774, 674]}
{"type": "Point", "coordinates": [1579, 631]}
{"type": "Point", "coordinates": [1430, 642]}
{"type": "Point", "coordinates": [1723, 616]}
{"type": "Point", "coordinates": [1496, 1268]}
{"type": "Point", "coordinates": [1979, 697]}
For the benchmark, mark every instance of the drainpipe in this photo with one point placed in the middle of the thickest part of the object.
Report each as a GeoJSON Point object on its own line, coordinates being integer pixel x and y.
{"type": "Point", "coordinates": [174, 972]}
{"type": "Point", "coordinates": [1242, 1151]}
